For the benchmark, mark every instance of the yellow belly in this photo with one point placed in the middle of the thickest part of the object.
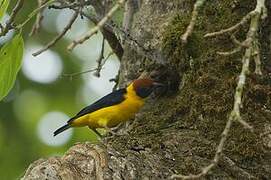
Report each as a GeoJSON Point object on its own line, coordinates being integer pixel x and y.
{"type": "Point", "coordinates": [111, 116]}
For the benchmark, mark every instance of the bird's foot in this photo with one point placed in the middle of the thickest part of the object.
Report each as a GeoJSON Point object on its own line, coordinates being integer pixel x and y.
{"type": "Point", "coordinates": [97, 133]}
{"type": "Point", "coordinates": [121, 129]}
{"type": "Point", "coordinates": [111, 131]}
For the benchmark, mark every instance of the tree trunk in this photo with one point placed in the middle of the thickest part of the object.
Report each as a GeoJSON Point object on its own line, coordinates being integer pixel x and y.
{"type": "Point", "coordinates": [179, 132]}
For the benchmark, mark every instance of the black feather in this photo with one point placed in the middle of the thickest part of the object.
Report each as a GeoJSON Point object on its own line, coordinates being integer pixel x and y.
{"type": "Point", "coordinates": [61, 129]}
{"type": "Point", "coordinates": [114, 98]}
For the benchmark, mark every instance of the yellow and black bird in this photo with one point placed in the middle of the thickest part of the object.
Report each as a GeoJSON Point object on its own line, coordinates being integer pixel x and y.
{"type": "Point", "coordinates": [114, 108]}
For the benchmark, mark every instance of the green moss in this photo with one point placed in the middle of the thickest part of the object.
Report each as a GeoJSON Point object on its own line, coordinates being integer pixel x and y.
{"type": "Point", "coordinates": [207, 97]}
{"type": "Point", "coordinates": [177, 52]}
{"type": "Point", "coordinates": [196, 116]}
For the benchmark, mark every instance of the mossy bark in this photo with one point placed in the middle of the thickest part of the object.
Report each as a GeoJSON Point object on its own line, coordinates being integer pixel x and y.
{"type": "Point", "coordinates": [179, 131]}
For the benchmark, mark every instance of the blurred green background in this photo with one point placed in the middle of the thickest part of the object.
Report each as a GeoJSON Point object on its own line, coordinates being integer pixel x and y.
{"type": "Point", "coordinates": [42, 99]}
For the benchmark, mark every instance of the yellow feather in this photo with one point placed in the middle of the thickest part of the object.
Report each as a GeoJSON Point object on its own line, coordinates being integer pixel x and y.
{"type": "Point", "coordinates": [113, 115]}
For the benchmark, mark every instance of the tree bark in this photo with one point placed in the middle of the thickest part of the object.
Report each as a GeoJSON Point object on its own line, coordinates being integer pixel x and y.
{"type": "Point", "coordinates": [179, 131]}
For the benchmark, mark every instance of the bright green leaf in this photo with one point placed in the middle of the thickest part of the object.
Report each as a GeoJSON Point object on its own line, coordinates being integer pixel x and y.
{"type": "Point", "coordinates": [3, 7]}
{"type": "Point", "coordinates": [10, 62]}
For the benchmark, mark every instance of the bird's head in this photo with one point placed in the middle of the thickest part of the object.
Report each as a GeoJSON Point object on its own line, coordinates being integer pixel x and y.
{"type": "Point", "coordinates": [145, 86]}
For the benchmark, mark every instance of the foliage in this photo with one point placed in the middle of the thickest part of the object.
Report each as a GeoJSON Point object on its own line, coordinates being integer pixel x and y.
{"type": "Point", "coordinates": [10, 62]}
{"type": "Point", "coordinates": [3, 7]}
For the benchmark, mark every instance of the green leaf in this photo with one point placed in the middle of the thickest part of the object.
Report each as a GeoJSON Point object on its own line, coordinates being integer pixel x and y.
{"type": "Point", "coordinates": [10, 62]}
{"type": "Point", "coordinates": [3, 7]}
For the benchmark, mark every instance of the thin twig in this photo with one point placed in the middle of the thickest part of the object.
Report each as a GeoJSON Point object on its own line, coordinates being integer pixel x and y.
{"type": "Point", "coordinates": [116, 81]}
{"type": "Point", "coordinates": [108, 56]}
{"type": "Point", "coordinates": [65, 5]}
{"type": "Point", "coordinates": [237, 42]}
{"type": "Point", "coordinates": [100, 60]}
{"type": "Point", "coordinates": [104, 61]}
{"type": "Point", "coordinates": [245, 124]}
{"type": "Point", "coordinates": [58, 37]}
{"type": "Point", "coordinates": [10, 23]}
{"type": "Point", "coordinates": [229, 53]}
{"type": "Point", "coordinates": [233, 28]}
{"type": "Point", "coordinates": [39, 18]}
{"type": "Point", "coordinates": [70, 76]}
{"type": "Point", "coordinates": [97, 27]}
{"type": "Point", "coordinates": [192, 23]}
{"type": "Point", "coordinates": [33, 13]}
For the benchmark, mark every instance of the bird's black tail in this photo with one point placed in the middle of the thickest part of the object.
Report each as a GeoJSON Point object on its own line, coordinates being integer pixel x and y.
{"type": "Point", "coordinates": [61, 129]}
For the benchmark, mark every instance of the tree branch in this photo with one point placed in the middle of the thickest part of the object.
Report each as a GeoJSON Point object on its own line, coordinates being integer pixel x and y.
{"type": "Point", "coordinates": [58, 37]}
{"type": "Point", "coordinates": [98, 26]}
{"type": "Point", "coordinates": [39, 18]}
{"type": "Point", "coordinates": [10, 23]}
{"type": "Point", "coordinates": [107, 29]}
{"type": "Point", "coordinates": [193, 20]}
{"type": "Point", "coordinates": [235, 113]}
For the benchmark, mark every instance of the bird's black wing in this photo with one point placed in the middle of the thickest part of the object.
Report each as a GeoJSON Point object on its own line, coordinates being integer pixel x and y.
{"type": "Point", "coordinates": [116, 97]}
